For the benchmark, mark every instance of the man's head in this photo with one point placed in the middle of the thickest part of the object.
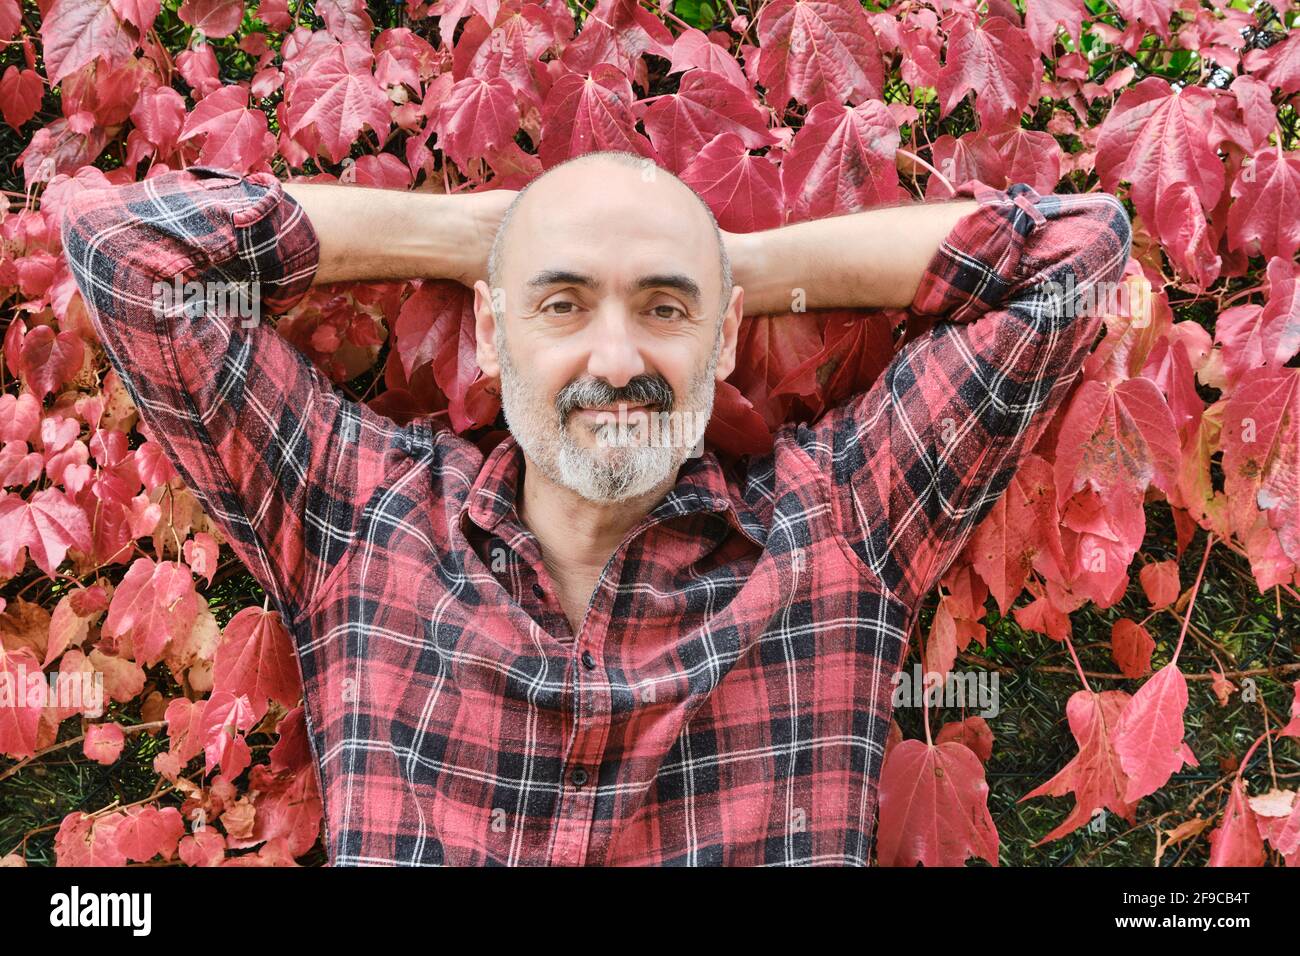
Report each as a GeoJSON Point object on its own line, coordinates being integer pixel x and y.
{"type": "Point", "coordinates": [608, 289]}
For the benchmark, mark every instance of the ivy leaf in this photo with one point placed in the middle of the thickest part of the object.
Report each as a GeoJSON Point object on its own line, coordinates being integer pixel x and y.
{"type": "Point", "coordinates": [818, 51]}
{"type": "Point", "coordinates": [743, 190]}
{"type": "Point", "coordinates": [1149, 737]}
{"type": "Point", "coordinates": [77, 32]}
{"type": "Point", "coordinates": [1094, 775]}
{"type": "Point", "coordinates": [21, 92]}
{"type": "Point", "coordinates": [842, 161]}
{"type": "Point", "coordinates": [47, 525]}
{"type": "Point", "coordinates": [1262, 220]}
{"type": "Point", "coordinates": [588, 112]}
{"type": "Point", "coordinates": [235, 137]}
{"type": "Point", "coordinates": [934, 807]}
{"type": "Point", "coordinates": [1158, 139]}
{"type": "Point", "coordinates": [255, 659]}
{"type": "Point", "coordinates": [337, 97]}
{"type": "Point", "coordinates": [706, 104]}
{"type": "Point", "coordinates": [477, 117]}
{"type": "Point", "coordinates": [996, 60]}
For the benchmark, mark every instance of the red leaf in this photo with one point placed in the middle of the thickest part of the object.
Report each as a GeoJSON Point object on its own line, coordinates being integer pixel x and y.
{"type": "Point", "coordinates": [934, 807]}
{"type": "Point", "coordinates": [693, 48]}
{"type": "Point", "coordinates": [76, 32]}
{"type": "Point", "coordinates": [706, 104]}
{"type": "Point", "coordinates": [235, 137]}
{"type": "Point", "coordinates": [50, 360]}
{"type": "Point", "coordinates": [47, 525]}
{"type": "Point", "coordinates": [436, 325]}
{"type": "Point", "coordinates": [104, 742]}
{"type": "Point", "coordinates": [1158, 139]}
{"type": "Point", "coordinates": [1149, 737]}
{"type": "Point", "coordinates": [1043, 18]}
{"type": "Point", "coordinates": [842, 161]}
{"type": "Point", "coordinates": [1277, 813]}
{"type": "Point", "coordinates": [213, 18]}
{"type": "Point", "coordinates": [996, 60]}
{"type": "Point", "coordinates": [1236, 841]}
{"type": "Point", "coordinates": [589, 112]}
{"type": "Point", "coordinates": [1160, 582]}
{"type": "Point", "coordinates": [335, 98]}
{"type": "Point", "coordinates": [155, 603]}
{"type": "Point", "coordinates": [744, 191]}
{"type": "Point", "coordinates": [477, 117]}
{"type": "Point", "coordinates": [20, 713]}
{"type": "Point", "coordinates": [146, 832]}
{"type": "Point", "coordinates": [85, 840]}
{"type": "Point", "coordinates": [817, 51]}
{"type": "Point", "coordinates": [973, 732]}
{"type": "Point", "coordinates": [1131, 647]}
{"type": "Point", "coordinates": [1094, 775]}
{"type": "Point", "coordinates": [255, 659]}
{"type": "Point", "coordinates": [1117, 439]}
{"type": "Point", "coordinates": [225, 718]}
{"type": "Point", "coordinates": [734, 427]}
{"type": "Point", "coordinates": [1279, 65]}
{"type": "Point", "coordinates": [1261, 454]}
{"type": "Point", "coordinates": [21, 92]}
{"type": "Point", "coordinates": [1262, 220]}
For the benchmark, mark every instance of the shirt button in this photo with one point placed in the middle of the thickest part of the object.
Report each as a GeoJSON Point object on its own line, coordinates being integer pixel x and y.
{"type": "Point", "coordinates": [579, 777]}
{"type": "Point", "coordinates": [539, 590]}
{"type": "Point", "coordinates": [588, 661]}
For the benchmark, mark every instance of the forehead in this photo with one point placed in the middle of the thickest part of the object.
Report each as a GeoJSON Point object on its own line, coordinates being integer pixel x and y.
{"type": "Point", "coordinates": [610, 221]}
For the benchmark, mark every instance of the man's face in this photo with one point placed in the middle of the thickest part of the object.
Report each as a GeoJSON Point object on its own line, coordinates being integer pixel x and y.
{"type": "Point", "coordinates": [615, 332]}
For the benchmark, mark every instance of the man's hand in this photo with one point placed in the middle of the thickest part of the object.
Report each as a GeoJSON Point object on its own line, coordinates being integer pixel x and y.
{"type": "Point", "coordinates": [369, 234]}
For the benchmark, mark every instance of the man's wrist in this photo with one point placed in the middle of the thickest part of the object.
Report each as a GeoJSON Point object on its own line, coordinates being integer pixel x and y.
{"type": "Point", "coordinates": [753, 269]}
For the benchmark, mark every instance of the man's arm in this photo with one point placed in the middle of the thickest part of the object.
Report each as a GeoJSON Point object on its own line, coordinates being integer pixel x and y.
{"type": "Point", "coordinates": [381, 234]}
{"type": "Point", "coordinates": [283, 463]}
{"type": "Point", "coordinates": [918, 460]}
{"type": "Point", "coordinates": [866, 260]}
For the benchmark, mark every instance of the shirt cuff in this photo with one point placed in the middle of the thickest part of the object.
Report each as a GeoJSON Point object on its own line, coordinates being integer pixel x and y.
{"type": "Point", "coordinates": [283, 248]}
{"type": "Point", "coordinates": [977, 266]}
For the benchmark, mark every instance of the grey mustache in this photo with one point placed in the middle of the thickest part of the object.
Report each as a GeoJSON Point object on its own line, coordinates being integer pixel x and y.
{"type": "Point", "coordinates": [642, 390]}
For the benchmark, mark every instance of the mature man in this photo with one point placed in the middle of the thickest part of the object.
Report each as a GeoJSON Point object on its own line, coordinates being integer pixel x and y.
{"type": "Point", "coordinates": [589, 647]}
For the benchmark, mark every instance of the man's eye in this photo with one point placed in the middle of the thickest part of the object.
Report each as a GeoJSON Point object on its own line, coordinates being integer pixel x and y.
{"type": "Point", "coordinates": [674, 313]}
{"type": "Point", "coordinates": [553, 305]}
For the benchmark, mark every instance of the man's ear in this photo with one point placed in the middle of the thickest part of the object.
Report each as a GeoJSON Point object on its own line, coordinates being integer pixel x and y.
{"type": "Point", "coordinates": [485, 326]}
{"type": "Point", "coordinates": [730, 331]}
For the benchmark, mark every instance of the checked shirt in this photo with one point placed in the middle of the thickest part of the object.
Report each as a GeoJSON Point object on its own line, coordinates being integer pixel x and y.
{"type": "Point", "coordinates": [727, 697]}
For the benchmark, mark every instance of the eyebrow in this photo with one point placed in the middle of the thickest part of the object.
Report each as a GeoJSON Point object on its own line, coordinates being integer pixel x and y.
{"type": "Point", "coordinates": [684, 284]}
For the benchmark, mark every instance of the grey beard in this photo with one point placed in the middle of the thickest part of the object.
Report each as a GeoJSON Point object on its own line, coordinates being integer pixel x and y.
{"type": "Point", "coordinates": [616, 472]}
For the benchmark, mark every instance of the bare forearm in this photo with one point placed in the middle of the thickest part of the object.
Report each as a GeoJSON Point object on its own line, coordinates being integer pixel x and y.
{"type": "Point", "coordinates": [385, 234]}
{"type": "Point", "coordinates": [870, 260]}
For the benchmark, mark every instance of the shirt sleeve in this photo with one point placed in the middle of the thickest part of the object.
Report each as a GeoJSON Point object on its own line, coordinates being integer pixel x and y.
{"type": "Point", "coordinates": [179, 273]}
{"type": "Point", "coordinates": [920, 458]}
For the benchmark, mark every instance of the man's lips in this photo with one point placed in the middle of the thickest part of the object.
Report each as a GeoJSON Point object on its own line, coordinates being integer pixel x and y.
{"type": "Point", "coordinates": [605, 413]}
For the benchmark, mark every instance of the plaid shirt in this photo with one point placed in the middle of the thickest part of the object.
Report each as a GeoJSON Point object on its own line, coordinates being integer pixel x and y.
{"type": "Point", "coordinates": [728, 696]}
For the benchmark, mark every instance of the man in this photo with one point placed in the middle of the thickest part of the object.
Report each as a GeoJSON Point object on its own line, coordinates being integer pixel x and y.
{"type": "Point", "coordinates": [591, 648]}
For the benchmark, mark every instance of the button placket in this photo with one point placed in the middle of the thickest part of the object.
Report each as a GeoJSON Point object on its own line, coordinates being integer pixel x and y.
{"type": "Point", "coordinates": [591, 717]}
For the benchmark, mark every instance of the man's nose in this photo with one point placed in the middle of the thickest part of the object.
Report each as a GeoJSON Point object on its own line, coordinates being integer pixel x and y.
{"type": "Point", "coordinates": [614, 356]}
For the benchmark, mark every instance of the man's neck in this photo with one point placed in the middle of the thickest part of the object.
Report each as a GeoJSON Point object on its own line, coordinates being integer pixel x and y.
{"type": "Point", "coordinates": [577, 535]}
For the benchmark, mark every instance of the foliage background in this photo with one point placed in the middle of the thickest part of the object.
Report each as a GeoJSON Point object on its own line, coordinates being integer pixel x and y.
{"type": "Point", "coordinates": [1146, 98]}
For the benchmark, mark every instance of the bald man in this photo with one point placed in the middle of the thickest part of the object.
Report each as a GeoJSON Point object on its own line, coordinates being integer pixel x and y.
{"type": "Point", "coordinates": [595, 645]}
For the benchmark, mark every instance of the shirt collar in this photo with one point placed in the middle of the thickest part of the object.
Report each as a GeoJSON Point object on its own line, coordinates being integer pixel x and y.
{"type": "Point", "coordinates": [702, 486]}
